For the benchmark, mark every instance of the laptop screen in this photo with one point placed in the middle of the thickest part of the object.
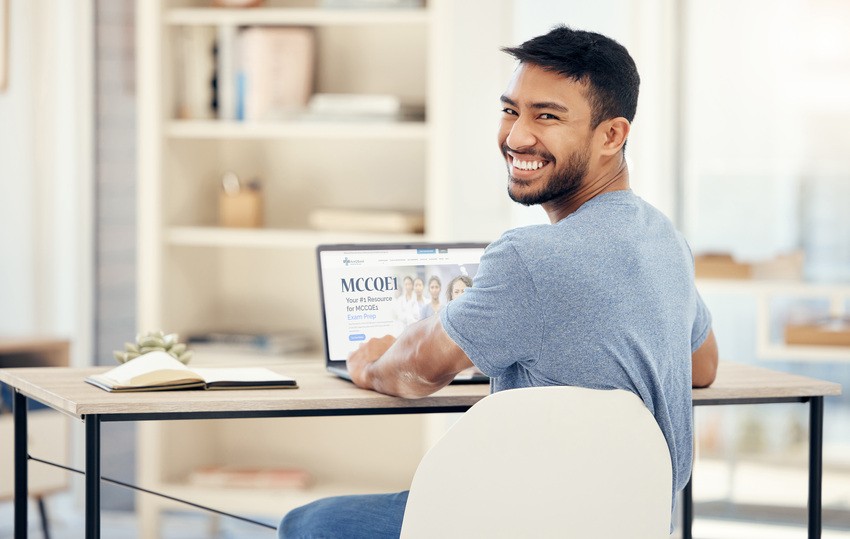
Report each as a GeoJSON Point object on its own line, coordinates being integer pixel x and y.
{"type": "Point", "coordinates": [375, 290]}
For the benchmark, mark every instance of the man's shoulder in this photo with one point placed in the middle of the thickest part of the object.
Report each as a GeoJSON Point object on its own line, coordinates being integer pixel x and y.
{"type": "Point", "coordinates": [525, 240]}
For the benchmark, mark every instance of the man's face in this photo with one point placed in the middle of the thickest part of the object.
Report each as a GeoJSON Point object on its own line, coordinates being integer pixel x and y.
{"type": "Point", "coordinates": [544, 135]}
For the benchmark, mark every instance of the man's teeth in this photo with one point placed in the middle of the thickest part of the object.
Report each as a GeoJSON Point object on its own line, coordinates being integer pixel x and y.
{"type": "Point", "coordinates": [528, 165]}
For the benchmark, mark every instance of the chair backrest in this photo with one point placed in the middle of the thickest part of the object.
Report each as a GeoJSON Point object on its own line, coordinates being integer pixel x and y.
{"type": "Point", "coordinates": [546, 462]}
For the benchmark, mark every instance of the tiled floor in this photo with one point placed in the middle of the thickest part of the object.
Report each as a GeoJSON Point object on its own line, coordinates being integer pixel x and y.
{"type": "Point", "coordinates": [117, 525]}
{"type": "Point", "coordinates": [182, 526]}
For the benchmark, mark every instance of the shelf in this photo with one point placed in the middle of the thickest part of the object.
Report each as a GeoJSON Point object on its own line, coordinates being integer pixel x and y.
{"type": "Point", "coordinates": [270, 502]}
{"type": "Point", "coordinates": [763, 291]}
{"type": "Point", "coordinates": [772, 287]}
{"type": "Point", "coordinates": [214, 129]}
{"type": "Point", "coordinates": [294, 16]}
{"type": "Point", "coordinates": [797, 352]}
{"type": "Point", "coordinates": [211, 236]}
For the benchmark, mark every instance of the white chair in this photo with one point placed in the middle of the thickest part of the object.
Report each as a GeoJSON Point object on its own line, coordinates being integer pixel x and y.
{"type": "Point", "coordinates": [546, 462]}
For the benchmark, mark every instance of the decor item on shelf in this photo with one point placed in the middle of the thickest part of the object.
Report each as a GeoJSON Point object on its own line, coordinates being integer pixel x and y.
{"type": "Point", "coordinates": [151, 342]}
{"type": "Point", "coordinates": [725, 266]}
{"type": "Point", "coordinates": [833, 331]}
{"type": "Point", "coordinates": [368, 220]}
{"type": "Point", "coordinates": [240, 205]}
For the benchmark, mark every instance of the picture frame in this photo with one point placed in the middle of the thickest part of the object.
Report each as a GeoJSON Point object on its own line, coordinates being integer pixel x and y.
{"type": "Point", "coordinates": [4, 44]}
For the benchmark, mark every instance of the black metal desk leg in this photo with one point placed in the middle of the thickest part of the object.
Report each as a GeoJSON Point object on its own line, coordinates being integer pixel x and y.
{"type": "Point", "coordinates": [815, 465]}
{"type": "Point", "coordinates": [92, 476]}
{"type": "Point", "coordinates": [688, 508]}
{"type": "Point", "coordinates": [21, 480]}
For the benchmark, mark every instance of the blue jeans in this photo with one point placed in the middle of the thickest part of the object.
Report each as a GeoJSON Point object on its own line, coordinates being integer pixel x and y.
{"type": "Point", "coordinates": [368, 516]}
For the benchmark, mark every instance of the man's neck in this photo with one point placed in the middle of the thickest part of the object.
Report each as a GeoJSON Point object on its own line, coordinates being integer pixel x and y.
{"type": "Point", "coordinates": [611, 179]}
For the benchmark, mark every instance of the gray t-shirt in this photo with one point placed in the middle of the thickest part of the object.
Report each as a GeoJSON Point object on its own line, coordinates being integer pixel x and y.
{"type": "Point", "coordinates": [603, 299]}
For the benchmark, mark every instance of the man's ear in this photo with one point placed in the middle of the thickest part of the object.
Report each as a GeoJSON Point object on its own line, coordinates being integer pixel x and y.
{"type": "Point", "coordinates": [614, 133]}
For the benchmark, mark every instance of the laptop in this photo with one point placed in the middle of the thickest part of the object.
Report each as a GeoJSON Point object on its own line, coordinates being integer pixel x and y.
{"type": "Point", "coordinates": [372, 290]}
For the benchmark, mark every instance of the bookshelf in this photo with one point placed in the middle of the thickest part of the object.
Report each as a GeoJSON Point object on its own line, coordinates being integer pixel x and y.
{"type": "Point", "coordinates": [195, 275]}
{"type": "Point", "coordinates": [764, 293]}
{"type": "Point", "coordinates": [376, 131]}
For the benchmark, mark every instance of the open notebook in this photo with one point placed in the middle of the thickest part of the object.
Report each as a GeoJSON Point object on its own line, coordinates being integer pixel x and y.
{"type": "Point", "coordinates": [158, 371]}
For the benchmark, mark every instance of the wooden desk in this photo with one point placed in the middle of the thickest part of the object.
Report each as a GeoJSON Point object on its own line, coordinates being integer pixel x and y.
{"type": "Point", "coordinates": [321, 394]}
{"type": "Point", "coordinates": [747, 384]}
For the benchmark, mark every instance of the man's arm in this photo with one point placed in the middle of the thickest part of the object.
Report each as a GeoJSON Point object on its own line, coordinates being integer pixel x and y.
{"type": "Point", "coordinates": [704, 362]}
{"type": "Point", "coordinates": [422, 360]}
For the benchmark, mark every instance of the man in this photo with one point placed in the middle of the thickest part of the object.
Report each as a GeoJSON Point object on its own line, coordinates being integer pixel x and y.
{"type": "Point", "coordinates": [603, 297]}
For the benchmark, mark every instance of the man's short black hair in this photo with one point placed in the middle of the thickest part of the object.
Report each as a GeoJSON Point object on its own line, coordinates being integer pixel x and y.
{"type": "Point", "coordinates": [590, 58]}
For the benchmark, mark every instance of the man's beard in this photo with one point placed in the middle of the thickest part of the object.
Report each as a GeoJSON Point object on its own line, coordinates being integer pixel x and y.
{"type": "Point", "coordinates": [563, 184]}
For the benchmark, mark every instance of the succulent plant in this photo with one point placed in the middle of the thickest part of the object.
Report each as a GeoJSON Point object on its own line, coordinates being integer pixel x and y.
{"type": "Point", "coordinates": [152, 341]}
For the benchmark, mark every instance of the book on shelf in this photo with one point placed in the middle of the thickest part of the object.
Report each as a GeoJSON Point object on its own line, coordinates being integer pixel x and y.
{"type": "Point", "coordinates": [232, 342]}
{"type": "Point", "coordinates": [250, 477]}
{"type": "Point", "coordinates": [158, 371]}
{"type": "Point", "coordinates": [371, 4]}
{"type": "Point", "coordinates": [361, 108]}
{"type": "Point", "coordinates": [195, 70]}
{"type": "Point", "coordinates": [226, 78]}
{"type": "Point", "coordinates": [325, 105]}
{"type": "Point", "coordinates": [273, 75]}
{"type": "Point", "coordinates": [386, 221]}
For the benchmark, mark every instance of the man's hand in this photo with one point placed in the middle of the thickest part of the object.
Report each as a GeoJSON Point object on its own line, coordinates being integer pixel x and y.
{"type": "Point", "coordinates": [368, 353]}
{"type": "Point", "coordinates": [422, 360]}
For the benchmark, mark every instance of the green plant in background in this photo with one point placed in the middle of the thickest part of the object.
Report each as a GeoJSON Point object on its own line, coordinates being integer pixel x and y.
{"type": "Point", "coordinates": [151, 342]}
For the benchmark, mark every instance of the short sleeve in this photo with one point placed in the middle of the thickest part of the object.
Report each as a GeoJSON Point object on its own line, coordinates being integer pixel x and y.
{"type": "Point", "coordinates": [702, 324]}
{"type": "Point", "coordinates": [499, 320]}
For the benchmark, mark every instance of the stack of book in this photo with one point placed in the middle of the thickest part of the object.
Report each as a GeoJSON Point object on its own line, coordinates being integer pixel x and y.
{"type": "Point", "coordinates": [366, 220]}
{"type": "Point", "coordinates": [256, 73]}
{"type": "Point", "coordinates": [250, 477]}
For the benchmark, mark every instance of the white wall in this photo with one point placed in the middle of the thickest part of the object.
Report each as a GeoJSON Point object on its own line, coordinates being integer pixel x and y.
{"type": "Point", "coordinates": [45, 151]}
{"type": "Point", "coordinates": [473, 204]}
{"type": "Point", "coordinates": [766, 115]}
{"type": "Point", "coordinates": [17, 220]}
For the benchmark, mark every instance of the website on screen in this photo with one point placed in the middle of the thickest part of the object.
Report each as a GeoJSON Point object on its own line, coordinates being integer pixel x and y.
{"type": "Point", "coordinates": [376, 293]}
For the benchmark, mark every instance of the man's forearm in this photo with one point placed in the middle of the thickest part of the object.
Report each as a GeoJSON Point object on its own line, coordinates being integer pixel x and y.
{"type": "Point", "coordinates": [704, 362]}
{"type": "Point", "coordinates": [422, 360]}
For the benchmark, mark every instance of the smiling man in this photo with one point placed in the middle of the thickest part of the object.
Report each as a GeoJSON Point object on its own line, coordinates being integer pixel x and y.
{"type": "Point", "coordinates": [602, 297]}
